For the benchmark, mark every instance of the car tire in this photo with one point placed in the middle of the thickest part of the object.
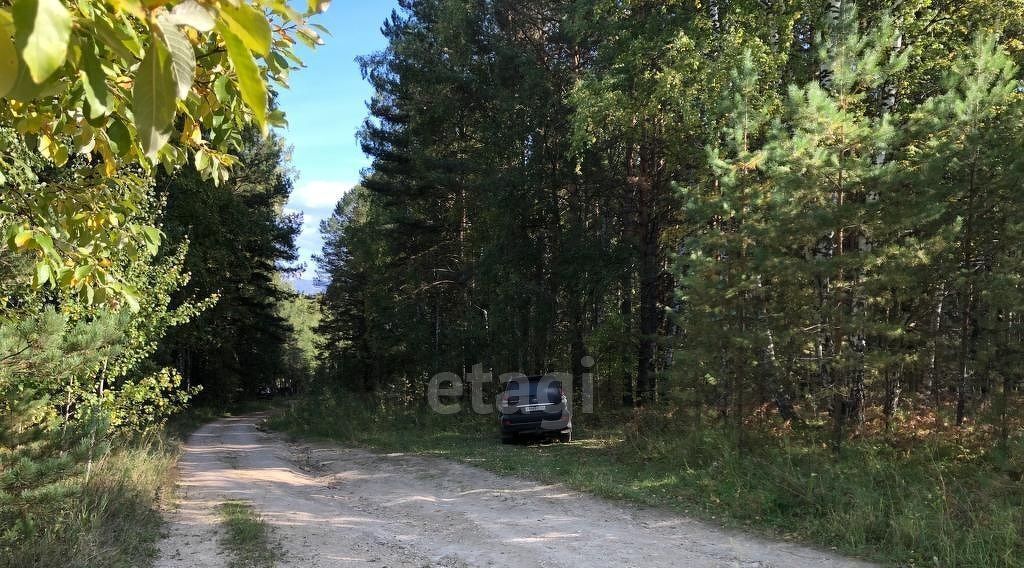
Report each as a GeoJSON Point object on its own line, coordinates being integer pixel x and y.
{"type": "Point", "coordinates": [565, 437]}
{"type": "Point", "coordinates": [507, 439]}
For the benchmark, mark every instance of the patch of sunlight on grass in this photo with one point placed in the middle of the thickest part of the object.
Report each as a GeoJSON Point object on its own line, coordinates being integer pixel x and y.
{"type": "Point", "coordinates": [603, 443]}
{"type": "Point", "coordinates": [656, 483]}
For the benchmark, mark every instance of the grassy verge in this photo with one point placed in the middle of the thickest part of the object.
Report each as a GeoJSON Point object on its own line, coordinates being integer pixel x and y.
{"type": "Point", "coordinates": [54, 513]}
{"type": "Point", "coordinates": [110, 518]}
{"type": "Point", "coordinates": [246, 536]}
{"type": "Point", "coordinates": [926, 504]}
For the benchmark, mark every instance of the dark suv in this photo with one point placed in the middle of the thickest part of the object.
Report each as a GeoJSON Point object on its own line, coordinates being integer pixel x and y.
{"type": "Point", "coordinates": [534, 405]}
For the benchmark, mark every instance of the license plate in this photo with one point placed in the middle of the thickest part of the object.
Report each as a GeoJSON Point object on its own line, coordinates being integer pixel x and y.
{"type": "Point", "coordinates": [533, 408]}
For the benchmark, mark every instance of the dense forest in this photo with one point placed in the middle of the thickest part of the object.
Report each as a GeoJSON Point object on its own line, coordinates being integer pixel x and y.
{"type": "Point", "coordinates": [806, 210]}
{"type": "Point", "coordinates": [783, 237]}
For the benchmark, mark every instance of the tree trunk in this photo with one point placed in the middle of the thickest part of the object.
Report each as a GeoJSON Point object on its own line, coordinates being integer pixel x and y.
{"type": "Point", "coordinates": [648, 341]}
{"type": "Point", "coordinates": [893, 390]}
{"type": "Point", "coordinates": [966, 346]}
{"type": "Point", "coordinates": [577, 347]}
{"type": "Point", "coordinates": [626, 310]}
{"type": "Point", "coordinates": [933, 384]}
{"type": "Point", "coordinates": [967, 299]}
{"type": "Point", "coordinates": [650, 270]}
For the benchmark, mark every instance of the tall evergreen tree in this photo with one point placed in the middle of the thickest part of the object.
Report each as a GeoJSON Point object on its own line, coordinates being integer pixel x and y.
{"type": "Point", "coordinates": [964, 182]}
{"type": "Point", "coordinates": [239, 240]}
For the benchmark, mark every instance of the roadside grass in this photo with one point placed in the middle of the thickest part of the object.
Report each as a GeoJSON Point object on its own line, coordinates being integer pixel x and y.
{"type": "Point", "coordinates": [246, 536]}
{"type": "Point", "coordinates": [53, 514]}
{"type": "Point", "coordinates": [930, 503]}
{"type": "Point", "coordinates": [110, 520]}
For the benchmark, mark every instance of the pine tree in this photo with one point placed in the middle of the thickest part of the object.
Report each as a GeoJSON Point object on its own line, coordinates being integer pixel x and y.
{"type": "Point", "coordinates": [964, 173]}
{"type": "Point", "coordinates": [823, 169]}
{"type": "Point", "coordinates": [346, 265]}
{"type": "Point", "coordinates": [722, 283]}
{"type": "Point", "coordinates": [238, 240]}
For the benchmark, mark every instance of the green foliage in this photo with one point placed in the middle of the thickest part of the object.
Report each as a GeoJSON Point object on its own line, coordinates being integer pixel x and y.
{"type": "Point", "coordinates": [85, 359]}
{"type": "Point", "coordinates": [238, 240]}
{"type": "Point", "coordinates": [479, 236]}
{"type": "Point", "coordinates": [74, 377]}
{"type": "Point", "coordinates": [65, 386]}
{"type": "Point", "coordinates": [769, 166]}
{"type": "Point", "coordinates": [42, 30]}
{"type": "Point", "coordinates": [111, 88]}
{"type": "Point", "coordinates": [45, 219]}
{"type": "Point", "coordinates": [54, 513]}
{"type": "Point", "coordinates": [153, 96]}
{"type": "Point", "coordinates": [94, 96]}
{"type": "Point", "coordinates": [302, 314]}
{"type": "Point", "coordinates": [60, 47]}
{"type": "Point", "coordinates": [833, 249]}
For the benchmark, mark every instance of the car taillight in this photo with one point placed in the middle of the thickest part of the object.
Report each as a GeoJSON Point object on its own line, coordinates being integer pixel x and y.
{"type": "Point", "coordinates": [558, 398]}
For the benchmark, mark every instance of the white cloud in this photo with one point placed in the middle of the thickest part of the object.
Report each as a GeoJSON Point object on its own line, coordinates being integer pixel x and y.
{"type": "Point", "coordinates": [309, 235]}
{"type": "Point", "coordinates": [310, 222]}
{"type": "Point", "coordinates": [318, 194]}
{"type": "Point", "coordinates": [315, 199]}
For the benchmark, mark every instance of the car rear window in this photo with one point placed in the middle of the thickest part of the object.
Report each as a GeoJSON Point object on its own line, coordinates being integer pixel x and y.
{"type": "Point", "coordinates": [528, 387]}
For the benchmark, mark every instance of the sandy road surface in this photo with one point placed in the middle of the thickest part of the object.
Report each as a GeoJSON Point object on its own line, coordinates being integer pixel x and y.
{"type": "Point", "coordinates": [332, 506]}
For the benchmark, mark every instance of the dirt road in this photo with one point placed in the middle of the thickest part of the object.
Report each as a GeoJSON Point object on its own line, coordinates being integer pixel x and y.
{"type": "Point", "coordinates": [332, 506]}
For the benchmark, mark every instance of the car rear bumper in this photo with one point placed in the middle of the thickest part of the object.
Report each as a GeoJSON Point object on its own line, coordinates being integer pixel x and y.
{"type": "Point", "coordinates": [514, 424]}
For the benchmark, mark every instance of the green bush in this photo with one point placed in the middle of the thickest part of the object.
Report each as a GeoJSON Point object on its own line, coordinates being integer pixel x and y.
{"type": "Point", "coordinates": [64, 512]}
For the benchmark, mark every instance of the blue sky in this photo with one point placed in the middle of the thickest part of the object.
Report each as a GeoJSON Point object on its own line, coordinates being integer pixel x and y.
{"type": "Point", "coordinates": [325, 107]}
